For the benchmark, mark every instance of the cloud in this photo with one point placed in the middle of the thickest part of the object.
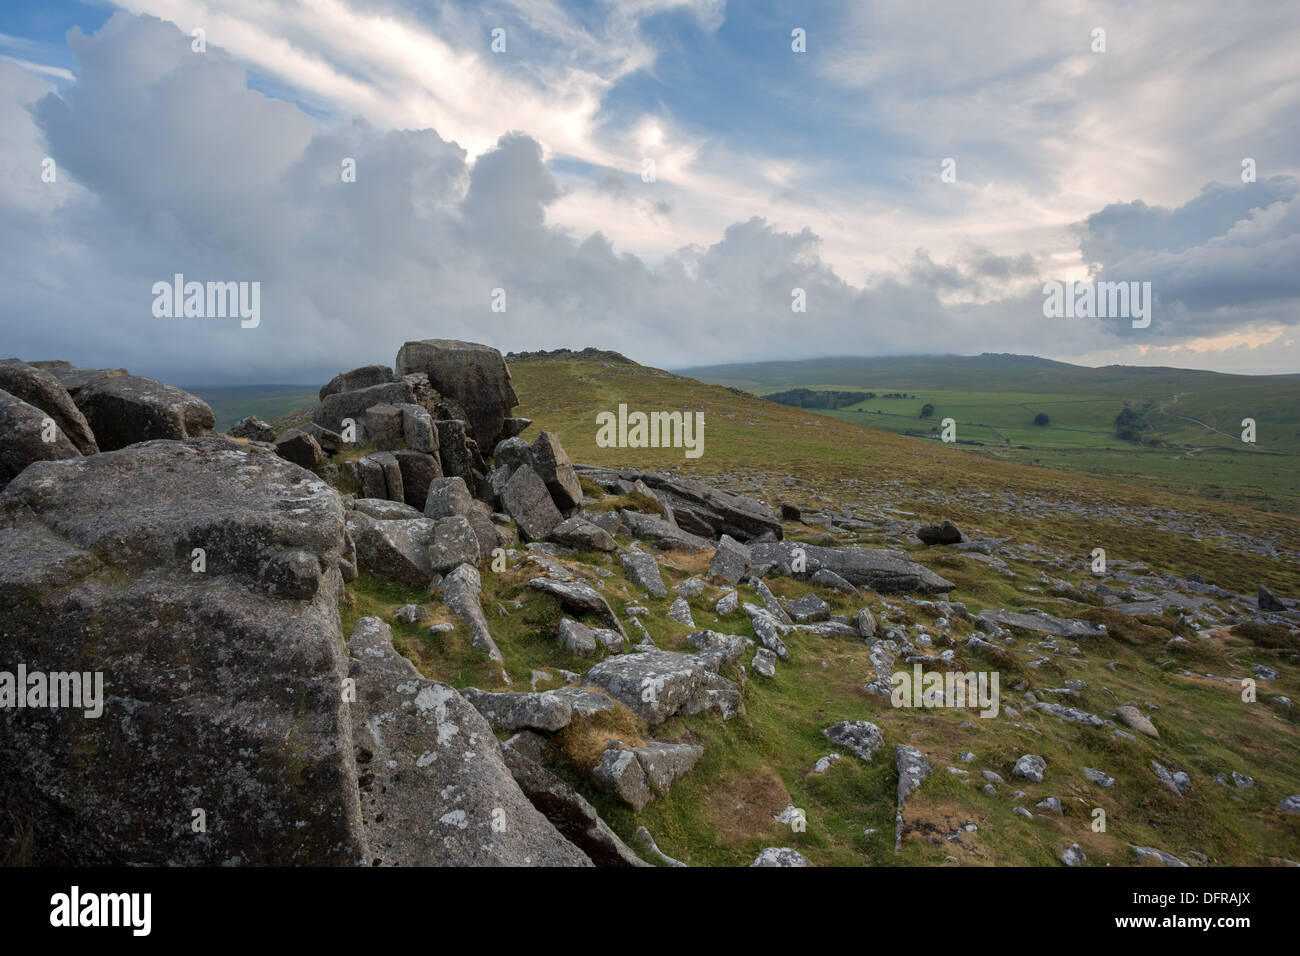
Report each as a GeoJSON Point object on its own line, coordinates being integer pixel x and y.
{"type": "Point", "coordinates": [169, 163]}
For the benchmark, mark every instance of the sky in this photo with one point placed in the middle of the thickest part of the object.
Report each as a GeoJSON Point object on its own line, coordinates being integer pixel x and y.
{"type": "Point", "coordinates": [656, 178]}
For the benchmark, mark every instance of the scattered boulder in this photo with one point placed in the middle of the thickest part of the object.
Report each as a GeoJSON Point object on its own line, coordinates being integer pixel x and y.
{"type": "Point", "coordinates": [461, 590]}
{"type": "Point", "coordinates": [454, 544]}
{"type": "Point", "coordinates": [882, 571]}
{"type": "Point", "coordinates": [1030, 767]}
{"type": "Point", "coordinates": [861, 737]}
{"type": "Point", "coordinates": [808, 609]}
{"type": "Point", "coordinates": [1133, 718]}
{"type": "Point", "coordinates": [556, 471]}
{"type": "Point", "coordinates": [577, 637]}
{"type": "Point", "coordinates": [578, 597]}
{"type": "Point", "coordinates": [1073, 855]}
{"type": "Point", "coordinates": [643, 571]}
{"type": "Point", "coordinates": [780, 856]}
{"type": "Point", "coordinates": [583, 535]}
{"type": "Point", "coordinates": [943, 533]}
{"type": "Point", "coordinates": [764, 662]}
{"type": "Point", "coordinates": [1268, 601]}
{"type": "Point", "coordinates": [252, 428]}
{"type": "Point", "coordinates": [665, 763]}
{"type": "Point", "coordinates": [1043, 623]}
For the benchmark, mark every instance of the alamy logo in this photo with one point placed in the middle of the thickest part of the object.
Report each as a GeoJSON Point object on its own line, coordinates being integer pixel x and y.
{"type": "Point", "coordinates": [1098, 300]}
{"type": "Point", "coordinates": [946, 689]}
{"type": "Point", "coordinates": [179, 299]}
{"type": "Point", "coordinates": [134, 910]}
{"type": "Point", "coordinates": [53, 691]}
{"type": "Point", "coordinates": [655, 430]}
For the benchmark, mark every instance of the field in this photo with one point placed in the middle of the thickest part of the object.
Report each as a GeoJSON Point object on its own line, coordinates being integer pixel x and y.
{"type": "Point", "coordinates": [1195, 417]}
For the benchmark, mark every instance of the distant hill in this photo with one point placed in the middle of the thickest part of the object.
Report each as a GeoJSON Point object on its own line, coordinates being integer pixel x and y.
{"type": "Point", "coordinates": [986, 372]}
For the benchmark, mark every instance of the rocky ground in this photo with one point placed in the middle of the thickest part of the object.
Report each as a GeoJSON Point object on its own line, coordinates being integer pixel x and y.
{"type": "Point", "coordinates": [401, 633]}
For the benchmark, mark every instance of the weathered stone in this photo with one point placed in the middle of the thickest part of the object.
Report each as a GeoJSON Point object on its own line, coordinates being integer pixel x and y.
{"type": "Point", "coordinates": [883, 571]}
{"type": "Point", "coordinates": [666, 536]}
{"type": "Point", "coordinates": [363, 377]}
{"type": "Point", "coordinates": [666, 678]}
{"type": "Point", "coordinates": [730, 561]}
{"type": "Point", "coordinates": [1030, 767]}
{"type": "Point", "coordinates": [1268, 601]}
{"type": "Point", "coordinates": [384, 427]}
{"type": "Point", "coordinates": [764, 662]}
{"type": "Point", "coordinates": [569, 812]}
{"type": "Point", "coordinates": [1150, 856]}
{"type": "Point", "coordinates": [943, 533]}
{"type": "Point", "coordinates": [576, 637]}
{"type": "Point", "coordinates": [73, 377]}
{"type": "Point", "coordinates": [780, 856]}
{"type": "Point", "coordinates": [665, 763]}
{"type": "Point", "coordinates": [125, 409]}
{"type": "Point", "coordinates": [1043, 623]}
{"type": "Point", "coordinates": [807, 609]}
{"type": "Point", "coordinates": [643, 571]}
{"type": "Point", "coordinates": [473, 375]}
{"type": "Point", "coordinates": [300, 448]}
{"type": "Point", "coordinates": [330, 442]}
{"type": "Point", "coordinates": [554, 468]}
{"type": "Point", "coordinates": [680, 612]}
{"type": "Point", "coordinates": [621, 774]}
{"type": "Point", "coordinates": [585, 701]}
{"type": "Point", "coordinates": [37, 387]}
{"type": "Point", "coordinates": [702, 509]}
{"type": "Point", "coordinates": [395, 550]}
{"type": "Point", "coordinates": [22, 427]}
{"type": "Point", "coordinates": [1131, 717]}
{"type": "Point", "coordinates": [418, 430]}
{"type": "Point", "coordinates": [433, 780]}
{"type": "Point", "coordinates": [461, 590]}
{"type": "Point", "coordinates": [582, 534]}
{"type": "Point", "coordinates": [252, 428]}
{"type": "Point", "coordinates": [578, 597]}
{"type": "Point", "coordinates": [511, 453]}
{"type": "Point", "coordinates": [861, 737]}
{"type": "Point", "coordinates": [213, 683]}
{"type": "Point", "coordinates": [381, 476]}
{"type": "Point", "coordinates": [727, 604]}
{"type": "Point", "coordinates": [866, 623]}
{"type": "Point", "coordinates": [381, 509]}
{"type": "Point", "coordinates": [338, 406]}
{"type": "Point", "coordinates": [454, 543]}
{"type": "Point", "coordinates": [514, 711]}
{"type": "Point", "coordinates": [527, 501]}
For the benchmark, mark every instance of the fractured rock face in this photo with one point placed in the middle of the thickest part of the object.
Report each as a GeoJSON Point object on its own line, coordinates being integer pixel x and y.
{"type": "Point", "coordinates": [125, 409]}
{"type": "Point", "coordinates": [219, 690]}
{"type": "Point", "coordinates": [433, 783]}
{"type": "Point", "coordinates": [475, 376]}
{"type": "Point", "coordinates": [554, 468]}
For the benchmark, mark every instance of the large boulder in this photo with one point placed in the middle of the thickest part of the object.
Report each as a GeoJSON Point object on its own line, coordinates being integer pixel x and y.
{"type": "Point", "coordinates": [220, 692]}
{"type": "Point", "coordinates": [393, 550]}
{"type": "Point", "coordinates": [22, 438]}
{"type": "Point", "coordinates": [704, 510]}
{"type": "Point", "coordinates": [125, 409]}
{"type": "Point", "coordinates": [434, 788]}
{"type": "Point", "coordinates": [300, 448]}
{"type": "Point", "coordinates": [475, 376]}
{"type": "Point", "coordinates": [252, 428]}
{"type": "Point", "coordinates": [38, 387]}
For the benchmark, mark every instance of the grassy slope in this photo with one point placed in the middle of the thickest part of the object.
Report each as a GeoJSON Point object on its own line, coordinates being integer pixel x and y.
{"type": "Point", "coordinates": [759, 762]}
